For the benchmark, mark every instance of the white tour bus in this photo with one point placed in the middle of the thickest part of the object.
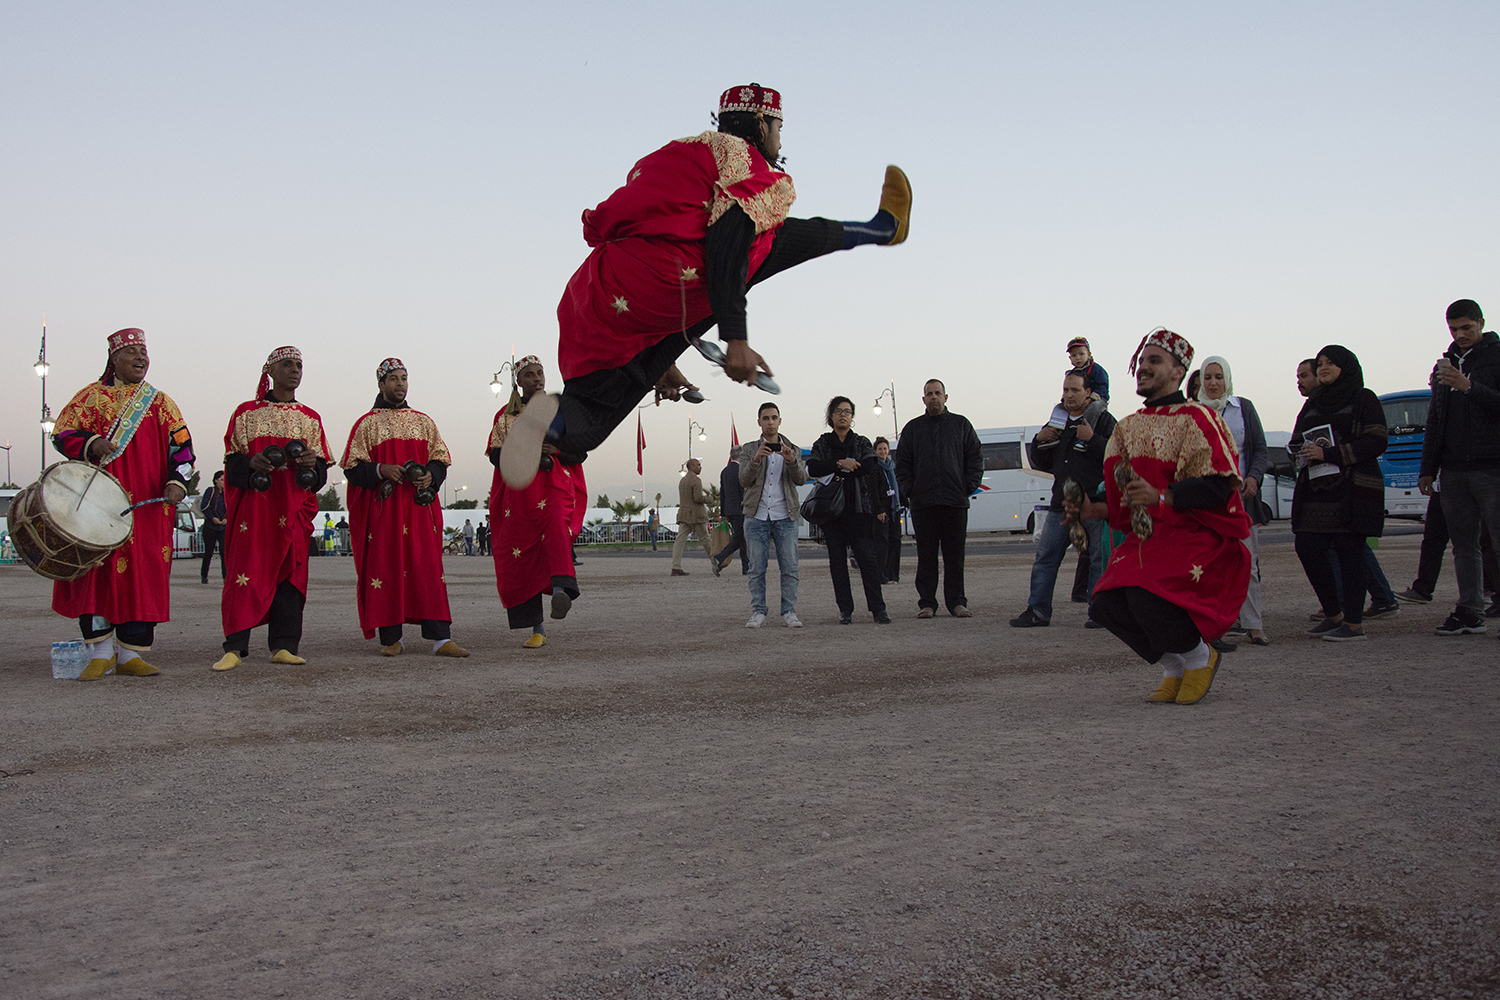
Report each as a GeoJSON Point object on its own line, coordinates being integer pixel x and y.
{"type": "Point", "coordinates": [1012, 496]}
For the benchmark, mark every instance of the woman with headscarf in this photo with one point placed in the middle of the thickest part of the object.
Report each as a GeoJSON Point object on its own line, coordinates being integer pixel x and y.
{"type": "Point", "coordinates": [1239, 416]}
{"type": "Point", "coordinates": [1339, 503]}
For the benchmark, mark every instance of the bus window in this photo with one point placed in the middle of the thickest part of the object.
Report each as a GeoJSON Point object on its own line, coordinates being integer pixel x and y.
{"type": "Point", "coordinates": [1406, 416]}
{"type": "Point", "coordinates": [1001, 455]}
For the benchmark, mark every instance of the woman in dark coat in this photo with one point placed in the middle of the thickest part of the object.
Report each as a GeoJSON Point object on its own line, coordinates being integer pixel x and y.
{"type": "Point", "coordinates": [1340, 496]}
{"type": "Point", "coordinates": [850, 459]}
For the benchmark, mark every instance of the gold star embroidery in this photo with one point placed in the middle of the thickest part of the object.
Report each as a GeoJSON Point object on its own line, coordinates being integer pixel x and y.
{"type": "Point", "coordinates": [1197, 573]}
{"type": "Point", "coordinates": [541, 504]}
{"type": "Point", "coordinates": [635, 175]}
{"type": "Point", "coordinates": [120, 564]}
{"type": "Point", "coordinates": [516, 553]}
{"type": "Point", "coordinates": [371, 536]}
{"type": "Point", "coordinates": [244, 526]}
{"type": "Point", "coordinates": [405, 529]}
{"type": "Point", "coordinates": [375, 583]}
{"type": "Point", "coordinates": [166, 553]}
{"type": "Point", "coordinates": [690, 274]}
{"type": "Point", "coordinates": [620, 305]}
{"type": "Point", "coordinates": [242, 580]}
{"type": "Point", "coordinates": [282, 522]}
{"type": "Point", "coordinates": [507, 512]}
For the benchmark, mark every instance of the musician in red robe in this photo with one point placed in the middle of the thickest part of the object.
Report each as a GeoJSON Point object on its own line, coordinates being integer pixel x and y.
{"type": "Point", "coordinates": [1180, 576]}
{"type": "Point", "coordinates": [397, 537]}
{"type": "Point", "coordinates": [267, 538]}
{"type": "Point", "coordinates": [125, 424]}
{"type": "Point", "coordinates": [696, 223]}
{"type": "Point", "coordinates": [532, 529]}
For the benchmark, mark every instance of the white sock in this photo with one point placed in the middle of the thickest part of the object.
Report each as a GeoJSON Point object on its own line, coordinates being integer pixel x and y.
{"type": "Point", "coordinates": [1171, 664]}
{"type": "Point", "coordinates": [1197, 659]}
{"type": "Point", "coordinates": [437, 644]}
{"type": "Point", "coordinates": [126, 654]}
{"type": "Point", "coordinates": [104, 649]}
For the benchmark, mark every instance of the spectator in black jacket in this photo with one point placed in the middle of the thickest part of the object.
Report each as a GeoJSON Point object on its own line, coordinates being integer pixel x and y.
{"type": "Point", "coordinates": [214, 521]}
{"type": "Point", "coordinates": [938, 467]}
{"type": "Point", "coordinates": [1073, 452]}
{"type": "Point", "coordinates": [850, 459]}
{"type": "Point", "coordinates": [732, 509]}
{"type": "Point", "coordinates": [1462, 444]}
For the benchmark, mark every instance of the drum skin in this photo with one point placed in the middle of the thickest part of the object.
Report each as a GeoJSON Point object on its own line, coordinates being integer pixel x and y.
{"type": "Point", "coordinates": [57, 537]}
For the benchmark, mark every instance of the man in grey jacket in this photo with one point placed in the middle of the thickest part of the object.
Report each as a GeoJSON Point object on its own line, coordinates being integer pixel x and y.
{"type": "Point", "coordinates": [771, 469]}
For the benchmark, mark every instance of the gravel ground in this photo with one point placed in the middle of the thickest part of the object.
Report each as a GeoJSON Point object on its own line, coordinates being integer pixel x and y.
{"type": "Point", "coordinates": [661, 803]}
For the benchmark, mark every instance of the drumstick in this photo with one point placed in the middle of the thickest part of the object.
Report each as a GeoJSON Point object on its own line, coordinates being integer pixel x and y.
{"type": "Point", "coordinates": [143, 503]}
{"type": "Point", "coordinates": [86, 487]}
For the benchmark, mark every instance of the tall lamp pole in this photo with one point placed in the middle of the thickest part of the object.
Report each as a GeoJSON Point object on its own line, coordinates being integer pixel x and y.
{"type": "Point", "coordinates": [891, 392]}
{"type": "Point", "coordinates": [41, 367]}
{"type": "Point", "coordinates": [7, 462]}
{"type": "Point", "coordinates": [702, 434]}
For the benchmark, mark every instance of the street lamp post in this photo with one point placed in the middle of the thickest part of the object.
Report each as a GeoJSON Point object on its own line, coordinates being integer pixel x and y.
{"type": "Point", "coordinates": [891, 392]}
{"type": "Point", "coordinates": [41, 367]}
{"type": "Point", "coordinates": [702, 435]}
{"type": "Point", "coordinates": [7, 462]}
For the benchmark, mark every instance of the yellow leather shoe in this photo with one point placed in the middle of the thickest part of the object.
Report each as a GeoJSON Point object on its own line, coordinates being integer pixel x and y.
{"type": "Point", "coordinates": [282, 656]}
{"type": "Point", "coordinates": [394, 649]}
{"type": "Point", "coordinates": [1167, 693]}
{"type": "Point", "coordinates": [96, 669]}
{"type": "Point", "coordinates": [537, 640]}
{"type": "Point", "coordinates": [228, 661]}
{"type": "Point", "coordinates": [1195, 683]}
{"type": "Point", "coordinates": [137, 667]}
{"type": "Point", "coordinates": [895, 197]}
{"type": "Point", "coordinates": [450, 648]}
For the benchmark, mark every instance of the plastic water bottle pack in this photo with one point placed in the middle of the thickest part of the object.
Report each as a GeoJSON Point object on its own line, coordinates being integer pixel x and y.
{"type": "Point", "coordinates": [69, 659]}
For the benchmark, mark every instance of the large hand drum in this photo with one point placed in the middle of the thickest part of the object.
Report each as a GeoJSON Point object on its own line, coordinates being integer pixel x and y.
{"type": "Point", "coordinates": [69, 521]}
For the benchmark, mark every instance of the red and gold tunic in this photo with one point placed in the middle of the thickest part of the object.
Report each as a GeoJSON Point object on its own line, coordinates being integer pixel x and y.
{"type": "Point", "coordinates": [398, 545]}
{"type": "Point", "coordinates": [266, 540]}
{"type": "Point", "coordinates": [532, 530]}
{"type": "Point", "coordinates": [646, 278]}
{"type": "Point", "coordinates": [133, 584]}
{"type": "Point", "coordinates": [1194, 558]}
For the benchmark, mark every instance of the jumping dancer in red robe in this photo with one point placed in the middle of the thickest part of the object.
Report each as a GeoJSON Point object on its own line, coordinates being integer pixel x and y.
{"type": "Point", "coordinates": [397, 537]}
{"type": "Point", "coordinates": [266, 541]}
{"type": "Point", "coordinates": [697, 223]}
{"type": "Point", "coordinates": [1180, 576]}
{"type": "Point", "coordinates": [126, 425]}
{"type": "Point", "coordinates": [532, 529]}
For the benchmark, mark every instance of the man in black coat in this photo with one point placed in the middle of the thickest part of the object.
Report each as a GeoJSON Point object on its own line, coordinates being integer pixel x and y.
{"type": "Point", "coordinates": [938, 467]}
{"type": "Point", "coordinates": [1462, 443]}
{"type": "Point", "coordinates": [732, 509]}
{"type": "Point", "coordinates": [211, 504]}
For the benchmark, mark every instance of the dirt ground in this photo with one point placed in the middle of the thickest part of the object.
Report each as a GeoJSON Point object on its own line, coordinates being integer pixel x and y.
{"type": "Point", "coordinates": [662, 803]}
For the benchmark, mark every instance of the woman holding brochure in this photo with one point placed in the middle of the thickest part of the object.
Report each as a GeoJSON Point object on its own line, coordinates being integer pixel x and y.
{"type": "Point", "coordinates": [1339, 502]}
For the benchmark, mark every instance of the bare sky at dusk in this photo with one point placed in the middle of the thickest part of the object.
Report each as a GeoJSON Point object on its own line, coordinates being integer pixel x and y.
{"type": "Point", "coordinates": [373, 179]}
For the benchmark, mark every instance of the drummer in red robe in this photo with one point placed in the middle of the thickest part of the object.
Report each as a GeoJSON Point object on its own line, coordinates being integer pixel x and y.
{"type": "Point", "coordinates": [395, 526]}
{"type": "Point", "coordinates": [1180, 576]}
{"type": "Point", "coordinates": [696, 223]}
{"type": "Point", "coordinates": [266, 539]}
{"type": "Point", "coordinates": [532, 529]}
{"type": "Point", "coordinates": [125, 424]}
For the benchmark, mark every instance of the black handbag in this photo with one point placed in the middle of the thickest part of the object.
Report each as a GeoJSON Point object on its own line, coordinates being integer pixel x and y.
{"type": "Point", "coordinates": [825, 503]}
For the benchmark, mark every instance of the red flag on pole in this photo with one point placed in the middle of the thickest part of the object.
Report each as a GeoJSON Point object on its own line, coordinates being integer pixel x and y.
{"type": "Point", "coordinates": [640, 446]}
{"type": "Point", "coordinates": [734, 435]}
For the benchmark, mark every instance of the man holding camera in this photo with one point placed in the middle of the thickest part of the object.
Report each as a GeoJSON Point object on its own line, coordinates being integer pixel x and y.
{"type": "Point", "coordinates": [275, 461]}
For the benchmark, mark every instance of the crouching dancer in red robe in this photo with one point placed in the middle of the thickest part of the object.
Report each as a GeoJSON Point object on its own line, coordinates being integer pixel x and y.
{"type": "Point", "coordinates": [1180, 576]}
{"type": "Point", "coordinates": [271, 505]}
{"type": "Point", "coordinates": [127, 425]}
{"type": "Point", "coordinates": [395, 525]}
{"type": "Point", "coordinates": [697, 223]}
{"type": "Point", "coordinates": [532, 528]}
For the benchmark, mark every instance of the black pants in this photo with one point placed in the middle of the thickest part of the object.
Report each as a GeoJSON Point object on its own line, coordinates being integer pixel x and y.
{"type": "Point", "coordinates": [212, 540]}
{"type": "Point", "coordinates": [1435, 545]}
{"type": "Point", "coordinates": [1313, 548]}
{"type": "Point", "coordinates": [945, 528]}
{"type": "Point", "coordinates": [1081, 578]}
{"type": "Point", "coordinates": [888, 544]}
{"type": "Point", "coordinates": [130, 633]}
{"type": "Point", "coordinates": [1148, 624]}
{"type": "Point", "coordinates": [283, 623]}
{"type": "Point", "coordinates": [593, 405]}
{"type": "Point", "coordinates": [528, 614]}
{"type": "Point", "coordinates": [853, 531]}
{"type": "Point", "coordinates": [431, 629]}
{"type": "Point", "coordinates": [736, 542]}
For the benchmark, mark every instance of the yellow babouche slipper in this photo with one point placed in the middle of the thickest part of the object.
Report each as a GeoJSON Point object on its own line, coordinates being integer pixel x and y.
{"type": "Point", "coordinates": [1167, 692]}
{"type": "Point", "coordinates": [537, 640]}
{"type": "Point", "coordinates": [394, 649]}
{"type": "Point", "coordinates": [1195, 683]}
{"type": "Point", "coordinates": [136, 667]}
{"type": "Point", "coordinates": [282, 656]}
{"type": "Point", "coordinates": [895, 197]}
{"type": "Point", "coordinates": [96, 669]}
{"type": "Point", "coordinates": [450, 648]}
{"type": "Point", "coordinates": [228, 661]}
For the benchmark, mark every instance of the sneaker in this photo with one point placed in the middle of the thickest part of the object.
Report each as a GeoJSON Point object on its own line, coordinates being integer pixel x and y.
{"type": "Point", "coordinates": [1343, 634]}
{"type": "Point", "coordinates": [791, 619]}
{"type": "Point", "coordinates": [1029, 619]}
{"type": "Point", "coordinates": [845, 619]}
{"type": "Point", "coordinates": [883, 618]}
{"type": "Point", "coordinates": [756, 620]}
{"type": "Point", "coordinates": [1381, 610]}
{"type": "Point", "coordinates": [1236, 631]}
{"type": "Point", "coordinates": [1411, 596]}
{"type": "Point", "coordinates": [1461, 622]}
{"type": "Point", "coordinates": [1324, 627]}
{"type": "Point", "coordinates": [1092, 624]}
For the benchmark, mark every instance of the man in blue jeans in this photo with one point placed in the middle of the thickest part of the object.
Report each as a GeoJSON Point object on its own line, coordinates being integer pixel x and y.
{"type": "Point", "coordinates": [1074, 452]}
{"type": "Point", "coordinates": [771, 469]}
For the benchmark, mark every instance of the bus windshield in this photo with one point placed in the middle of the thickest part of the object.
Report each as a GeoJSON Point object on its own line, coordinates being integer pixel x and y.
{"type": "Point", "coordinates": [1407, 415]}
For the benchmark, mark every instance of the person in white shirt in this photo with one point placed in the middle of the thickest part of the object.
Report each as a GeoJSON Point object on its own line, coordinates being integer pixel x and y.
{"type": "Point", "coordinates": [771, 469]}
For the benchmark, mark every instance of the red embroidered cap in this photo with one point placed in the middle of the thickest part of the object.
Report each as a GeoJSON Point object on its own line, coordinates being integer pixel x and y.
{"type": "Point", "coordinates": [1173, 343]}
{"type": "Point", "coordinates": [752, 97]}
{"type": "Point", "coordinates": [121, 339]}
{"type": "Point", "coordinates": [387, 366]}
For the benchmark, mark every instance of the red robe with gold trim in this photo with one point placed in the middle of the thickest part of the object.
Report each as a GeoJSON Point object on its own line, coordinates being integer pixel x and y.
{"type": "Point", "coordinates": [645, 278]}
{"type": "Point", "coordinates": [134, 582]}
{"type": "Point", "coordinates": [266, 539]}
{"type": "Point", "coordinates": [532, 530]}
{"type": "Point", "coordinates": [398, 546]}
{"type": "Point", "coordinates": [1194, 558]}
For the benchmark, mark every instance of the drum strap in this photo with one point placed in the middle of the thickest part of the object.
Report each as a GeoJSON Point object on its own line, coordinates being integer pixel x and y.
{"type": "Point", "coordinates": [129, 419]}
